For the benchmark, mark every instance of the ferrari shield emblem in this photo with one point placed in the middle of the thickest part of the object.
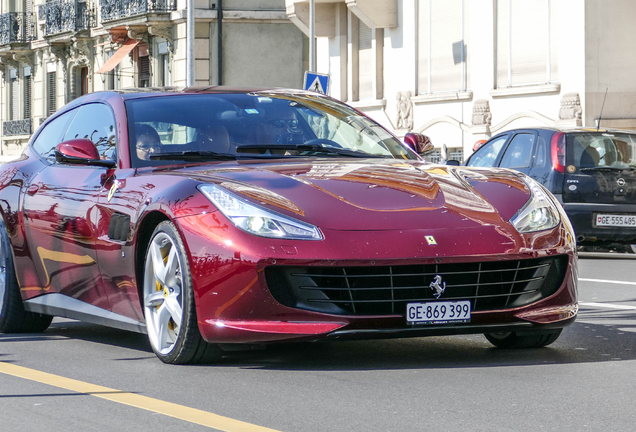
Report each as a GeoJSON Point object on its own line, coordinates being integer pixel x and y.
{"type": "Point", "coordinates": [431, 240]}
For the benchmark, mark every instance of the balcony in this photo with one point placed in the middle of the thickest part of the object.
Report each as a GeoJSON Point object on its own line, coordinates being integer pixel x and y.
{"type": "Point", "coordinates": [117, 9]}
{"type": "Point", "coordinates": [16, 27]}
{"type": "Point", "coordinates": [16, 127]}
{"type": "Point", "coordinates": [66, 16]}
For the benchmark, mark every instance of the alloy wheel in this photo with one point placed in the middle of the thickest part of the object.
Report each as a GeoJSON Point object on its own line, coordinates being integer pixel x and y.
{"type": "Point", "coordinates": [163, 299]}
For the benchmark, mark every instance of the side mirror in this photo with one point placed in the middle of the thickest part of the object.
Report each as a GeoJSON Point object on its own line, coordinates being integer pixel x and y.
{"type": "Point", "coordinates": [80, 151]}
{"type": "Point", "coordinates": [419, 143]}
{"type": "Point", "coordinates": [452, 162]}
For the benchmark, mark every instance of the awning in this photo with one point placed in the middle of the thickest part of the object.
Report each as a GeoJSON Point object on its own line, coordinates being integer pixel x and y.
{"type": "Point", "coordinates": [119, 55]}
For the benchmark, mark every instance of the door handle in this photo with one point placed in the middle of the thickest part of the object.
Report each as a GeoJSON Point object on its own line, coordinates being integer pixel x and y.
{"type": "Point", "coordinates": [33, 189]}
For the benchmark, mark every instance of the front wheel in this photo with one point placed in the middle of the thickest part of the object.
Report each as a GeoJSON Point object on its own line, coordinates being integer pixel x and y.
{"type": "Point", "coordinates": [171, 319]}
{"type": "Point", "coordinates": [13, 317]}
{"type": "Point", "coordinates": [534, 339]}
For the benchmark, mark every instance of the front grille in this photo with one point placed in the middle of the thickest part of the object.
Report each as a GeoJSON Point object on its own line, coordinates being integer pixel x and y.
{"type": "Point", "coordinates": [385, 290]}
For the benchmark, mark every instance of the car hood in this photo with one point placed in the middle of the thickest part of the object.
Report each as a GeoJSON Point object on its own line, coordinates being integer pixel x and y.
{"type": "Point", "coordinates": [374, 194]}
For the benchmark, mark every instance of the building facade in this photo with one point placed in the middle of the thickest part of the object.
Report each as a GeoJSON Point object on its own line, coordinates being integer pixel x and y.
{"type": "Point", "coordinates": [54, 51]}
{"type": "Point", "coordinates": [464, 70]}
{"type": "Point", "coordinates": [457, 70]}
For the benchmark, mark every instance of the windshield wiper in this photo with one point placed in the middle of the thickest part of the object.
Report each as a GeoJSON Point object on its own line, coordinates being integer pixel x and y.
{"type": "Point", "coordinates": [606, 168]}
{"type": "Point", "coordinates": [193, 155]}
{"type": "Point", "coordinates": [306, 148]}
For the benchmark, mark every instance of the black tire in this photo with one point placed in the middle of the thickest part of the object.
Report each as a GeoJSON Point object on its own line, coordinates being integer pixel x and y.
{"type": "Point", "coordinates": [172, 341]}
{"type": "Point", "coordinates": [13, 317]}
{"type": "Point", "coordinates": [516, 340]}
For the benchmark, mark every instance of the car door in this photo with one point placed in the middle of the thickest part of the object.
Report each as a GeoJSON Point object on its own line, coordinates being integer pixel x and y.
{"type": "Point", "coordinates": [489, 154]}
{"type": "Point", "coordinates": [120, 201]}
{"type": "Point", "coordinates": [60, 208]}
{"type": "Point", "coordinates": [519, 152]}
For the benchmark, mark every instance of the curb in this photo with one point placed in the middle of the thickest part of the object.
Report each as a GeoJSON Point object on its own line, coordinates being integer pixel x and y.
{"type": "Point", "coordinates": [607, 255]}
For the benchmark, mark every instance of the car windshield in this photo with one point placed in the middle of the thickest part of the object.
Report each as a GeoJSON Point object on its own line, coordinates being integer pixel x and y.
{"type": "Point", "coordinates": [193, 127]}
{"type": "Point", "coordinates": [601, 150]}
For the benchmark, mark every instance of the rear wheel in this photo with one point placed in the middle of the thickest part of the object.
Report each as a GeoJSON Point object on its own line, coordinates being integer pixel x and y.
{"type": "Point", "coordinates": [13, 317]}
{"type": "Point", "coordinates": [171, 319]}
{"type": "Point", "coordinates": [535, 339]}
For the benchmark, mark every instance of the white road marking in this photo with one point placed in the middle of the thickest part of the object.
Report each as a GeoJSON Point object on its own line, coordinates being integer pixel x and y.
{"type": "Point", "coordinates": [607, 281]}
{"type": "Point", "coordinates": [607, 306]}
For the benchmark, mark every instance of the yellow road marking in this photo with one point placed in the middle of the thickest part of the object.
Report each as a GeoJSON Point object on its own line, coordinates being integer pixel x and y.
{"type": "Point", "coordinates": [181, 412]}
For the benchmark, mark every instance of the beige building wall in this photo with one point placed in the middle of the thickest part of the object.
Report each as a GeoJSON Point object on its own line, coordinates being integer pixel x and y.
{"type": "Point", "coordinates": [591, 46]}
{"type": "Point", "coordinates": [610, 62]}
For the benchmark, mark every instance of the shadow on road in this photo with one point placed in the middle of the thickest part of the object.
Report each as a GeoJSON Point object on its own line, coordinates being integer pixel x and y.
{"type": "Point", "coordinates": [611, 337]}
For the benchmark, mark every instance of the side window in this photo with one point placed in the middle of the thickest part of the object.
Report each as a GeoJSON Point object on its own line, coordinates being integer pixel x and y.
{"type": "Point", "coordinates": [52, 134]}
{"type": "Point", "coordinates": [519, 151]}
{"type": "Point", "coordinates": [97, 123]}
{"type": "Point", "coordinates": [487, 155]}
{"type": "Point", "coordinates": [541, 155]}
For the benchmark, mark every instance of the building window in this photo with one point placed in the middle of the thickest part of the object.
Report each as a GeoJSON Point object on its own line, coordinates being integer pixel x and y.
{"type": "Point", "coordinates": [144, 71]}
{"type": "Point", "coordinates": [442, 46]}
{"type": "Point", "coordinates": [83, 81]}
{"type": "Point", "coordinates": [79, 82]}
{"type": "Point", "coordinates": [164, 75]}
{"type": "Point", "coordinates": [112, 77]}
{"type": "Point", "coordinates": [519, 62]}
{"type": "Point", "coordinates": [27, 92]}
{"type": "Point", "coordinates": [14, 91]}
{"type": "Point", "coordinates": [51, 95]}
{"type": "Point", "coordinates": [367, 54]}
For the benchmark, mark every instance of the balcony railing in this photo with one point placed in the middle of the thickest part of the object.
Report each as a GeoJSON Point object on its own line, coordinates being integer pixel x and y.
{"type": "Point", "coordinates": [16, 127]}
{"type": "Point", "coordinates": [66, 15]}
{"type": "Point", "coordinates": [117, 9]}
{"type": "Point", "coordinates": [16, 27]}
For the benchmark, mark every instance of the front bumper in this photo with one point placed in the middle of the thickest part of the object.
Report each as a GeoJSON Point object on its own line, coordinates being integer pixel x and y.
{"type": "Point", "coordinates": [235, 305]}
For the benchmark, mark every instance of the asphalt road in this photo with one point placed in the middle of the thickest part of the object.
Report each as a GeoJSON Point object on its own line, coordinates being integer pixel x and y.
{"type": "Point", "coordinates": [99, 379]}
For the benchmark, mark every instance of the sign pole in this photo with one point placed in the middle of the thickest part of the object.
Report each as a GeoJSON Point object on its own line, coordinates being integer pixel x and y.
{"type": "Point", "coordinates": [312, 35]}
{"type": "Point", "coordinates": [190, 43]}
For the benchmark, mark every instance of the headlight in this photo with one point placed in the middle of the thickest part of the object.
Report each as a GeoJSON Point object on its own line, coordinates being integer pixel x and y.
{"type": "Point", "coordinates": [256, 220]}
{"type": "Point", "coordinates": [539, 213]}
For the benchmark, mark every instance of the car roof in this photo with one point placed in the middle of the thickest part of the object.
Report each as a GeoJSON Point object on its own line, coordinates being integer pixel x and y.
{"type": "Point", "coordinates": [138, 93]}
{"type": "Point", "coordinates": [571, 130]}
{"type": "Point", "coordinates": [135, 93]}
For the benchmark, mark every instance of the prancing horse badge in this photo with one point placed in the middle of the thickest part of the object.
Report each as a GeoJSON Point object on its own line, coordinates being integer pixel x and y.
{"type": "Point", "coordinates": [431, 240]}
{"type": "Point", "coordinates": [113, 189]}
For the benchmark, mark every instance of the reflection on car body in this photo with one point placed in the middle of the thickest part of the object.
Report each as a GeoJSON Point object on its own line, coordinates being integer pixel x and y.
{"type": "Point", "coordinates": [591, 172]}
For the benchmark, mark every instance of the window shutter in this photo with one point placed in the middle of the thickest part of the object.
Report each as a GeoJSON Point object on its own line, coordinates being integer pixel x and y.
{"type": "Point", "coordinates": [15, 101]}
{"type": "Point", "coordinates": [51, 105]}
{"type": "Point", "coordinates": [448, 48]}
{"type": "Point", "coordinates": [27, 95]}
{"type": "Point", "coordinates": [164, 73]}
{"type": "Point", "coordinates": [144, 71]}
{"type": "Point", "coordinates": [366, 61]}
{"type": "Point", "coordinates": [423, 46]}
{"type": "Point", "coordinates": [443, 45]}
{"type": "Point", "coordinates": [520, 62]}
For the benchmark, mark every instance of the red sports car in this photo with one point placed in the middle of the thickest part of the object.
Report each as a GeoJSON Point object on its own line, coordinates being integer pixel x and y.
{"type": "Point", "coordinates": [210, 216]}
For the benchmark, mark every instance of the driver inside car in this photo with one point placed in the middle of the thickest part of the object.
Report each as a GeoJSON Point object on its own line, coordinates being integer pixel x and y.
{"type": "Point", "coordinates": [148, 141]}
{"type": "Point", "coordinates": [280, 126]}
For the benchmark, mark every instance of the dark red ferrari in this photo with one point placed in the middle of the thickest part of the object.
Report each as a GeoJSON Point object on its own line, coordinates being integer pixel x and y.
{"type": "Point", "coordinates": [208, 217]}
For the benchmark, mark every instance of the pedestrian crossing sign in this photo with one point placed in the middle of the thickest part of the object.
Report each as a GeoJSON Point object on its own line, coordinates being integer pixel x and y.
{"type": "Point", "coordinates": [316, 82]}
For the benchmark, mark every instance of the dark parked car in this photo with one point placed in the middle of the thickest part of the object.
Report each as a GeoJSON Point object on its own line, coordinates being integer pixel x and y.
{"type": "Point", "coordinates": [210, 217]}
{"type": "Point", "coordinates": [590, 172]}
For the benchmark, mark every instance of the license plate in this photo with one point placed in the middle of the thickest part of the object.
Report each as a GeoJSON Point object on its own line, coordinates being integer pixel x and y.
{"type": "Point", "coordinates": [615, 220]}
{"type": "Point", "coordinates": [443, 312]}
